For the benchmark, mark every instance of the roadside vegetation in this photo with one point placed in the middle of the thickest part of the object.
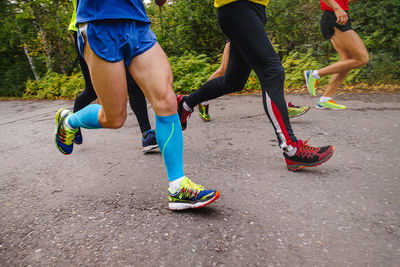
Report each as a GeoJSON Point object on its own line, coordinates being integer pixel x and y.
{"type": "Point", "coordinates": [38, 58]}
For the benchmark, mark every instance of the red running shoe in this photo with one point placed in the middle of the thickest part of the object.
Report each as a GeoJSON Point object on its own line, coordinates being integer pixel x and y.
{"type": "Point", "coordinates": [308, 156]}
{"type": "Point", "coordinates": [183, 114]}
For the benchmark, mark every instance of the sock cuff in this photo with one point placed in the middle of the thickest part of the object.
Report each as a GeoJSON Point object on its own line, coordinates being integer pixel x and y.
{"type": "Point", "coordinates": [167, 119]}
{"type": "Point", "coordinates": [187, 107]}
{"type": "Point", "coordinates": [315, 74]}
{"type": "Point", "coordinates": [86, 118]}
{"type": "Point", "coordinates": [324, 98]}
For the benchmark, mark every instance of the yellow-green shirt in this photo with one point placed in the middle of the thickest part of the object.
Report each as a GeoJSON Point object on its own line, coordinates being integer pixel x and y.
{"type": "Point", "coordinates": [219, 3]}
{"type": "Point", "coordinates": [72, 26]}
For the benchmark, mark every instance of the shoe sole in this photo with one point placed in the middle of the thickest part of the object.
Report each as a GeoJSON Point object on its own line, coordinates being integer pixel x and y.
{"type": "Point", "coordinates": [305, 77]}
{"type": "Point", "coordinates": [204, 119]}
{"type": "Point", "coordinates": [148, 149]}
{"type": "Point", "coordinates": [298, 115]}
{"type": "Point", "coordinates": [184, 206]}
{"type": "Point", "coordinates": [318, 107]}
{"type": "Point", "coordinates": [298, 167]}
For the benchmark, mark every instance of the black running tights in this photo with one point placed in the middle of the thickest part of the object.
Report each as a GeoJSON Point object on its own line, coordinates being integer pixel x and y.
{"type": "Point", "coordinates": [243, 23]}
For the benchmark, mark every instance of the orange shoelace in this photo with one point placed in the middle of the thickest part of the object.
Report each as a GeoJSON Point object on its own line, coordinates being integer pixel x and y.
{"type": "Point", "coordinates": [306, 150]}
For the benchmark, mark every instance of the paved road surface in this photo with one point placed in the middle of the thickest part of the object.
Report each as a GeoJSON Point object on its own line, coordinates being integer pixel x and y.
{"type": "Point", "coordinates": [106, 203]}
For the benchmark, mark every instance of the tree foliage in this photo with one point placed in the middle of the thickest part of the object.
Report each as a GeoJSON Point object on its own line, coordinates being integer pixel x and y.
{"type": "Point", "coordinates": [187, 25]}
{"type": "Point", "coordinates": [35, 42]}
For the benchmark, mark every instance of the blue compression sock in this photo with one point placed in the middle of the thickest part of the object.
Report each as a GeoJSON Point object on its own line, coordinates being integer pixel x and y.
{"type": "Point", "coordinates": [87, 118]}
{"type": "Point", "coordinates": [170, 141]}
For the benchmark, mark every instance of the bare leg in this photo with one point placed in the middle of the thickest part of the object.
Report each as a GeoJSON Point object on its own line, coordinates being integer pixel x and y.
{"type": "Point", "coordinates": [350, 42]}
{"type": "Point", "coordinates": [109, 82]}
{"type": "Point", "coordinates": [218, 73]}
{"type": "Point", "coordinates": [335, 82]}
{"type": "Point", "coordinates": [153, 74]}
{"type": "Point", "coordinates": [224, 64]}
{"type": "Point", "coordinates": [337, 78]}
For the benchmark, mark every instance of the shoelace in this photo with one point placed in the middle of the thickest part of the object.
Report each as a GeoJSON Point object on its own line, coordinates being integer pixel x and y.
{"type": "Point", "coordinates": [65, 136]}
{"type": "Point", "coordinates": [191, 190]}
{"type": "Point", "coordinates": [305, 149]}
{"type": "Point", "coordinates": [195, 186]}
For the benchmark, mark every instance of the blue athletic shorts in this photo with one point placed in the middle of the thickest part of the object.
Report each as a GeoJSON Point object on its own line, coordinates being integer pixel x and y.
{"type": "Point", "coordinates": [116, 40]}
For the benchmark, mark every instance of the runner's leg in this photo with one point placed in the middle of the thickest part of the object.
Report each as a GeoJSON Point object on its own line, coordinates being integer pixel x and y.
{"type": "Point", "coordinates": [203, 107]}
{"type": "Point", "coordinates": [224, 63]}
{"type": "Point", "coordinates": [243, 23]}
{"type": "Point", "coordinates": [88, 95]}
{"type": "Point", "coordinates": [353, 45]}
{"type": "Point", "coordinates": [235, 78]}
{"type": "Point", "coordinates": [337, 78]}
{"type": "Point", "coordinates": [109, 81]}
{"type": "Point", "coordinates": [150, 64]}
{"type": "Point", "coordinates": [144, 67]}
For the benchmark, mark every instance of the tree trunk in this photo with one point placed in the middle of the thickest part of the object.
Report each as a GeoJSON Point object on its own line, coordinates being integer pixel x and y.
{"type": "Point", "coordinates": [31, 62]}
{"type": "Point", "coordinates": [60, 53]}
{"type": "Point", "coordinates": [49, 61]}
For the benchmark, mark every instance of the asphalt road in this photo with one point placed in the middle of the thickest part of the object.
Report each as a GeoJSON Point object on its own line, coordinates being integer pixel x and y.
{"type": "Point", "coordinates": [106, 204]}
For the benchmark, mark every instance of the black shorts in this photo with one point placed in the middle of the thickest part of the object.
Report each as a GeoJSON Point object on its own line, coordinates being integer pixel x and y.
{"type": "Point", "coordinates": [328, 21]}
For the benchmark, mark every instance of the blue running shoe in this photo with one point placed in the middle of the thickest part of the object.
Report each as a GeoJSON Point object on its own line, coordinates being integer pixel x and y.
{"type": "Point", "coordinates": [78, 140]}
{"type": "Point", "coordinates": [191, 196]}
{"type": "Point", "coordinates": [63, 137]}
{"type": "Point", "coordinates": [149, 142]}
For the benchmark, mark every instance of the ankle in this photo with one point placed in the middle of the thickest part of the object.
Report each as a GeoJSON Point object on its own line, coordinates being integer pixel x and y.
{"type": "Point", "coordinates": [175, 184]}
{"type": "Point", "coordinates": [66, 124]}
{"type": "Point", "coordinates": [186, 106]}
{"type": "Point", "coordinates": [315, 74]}
{"type": "Point", "coordinates": [323, 99]}
{"type": "Point", "coordinates": [290, 151]}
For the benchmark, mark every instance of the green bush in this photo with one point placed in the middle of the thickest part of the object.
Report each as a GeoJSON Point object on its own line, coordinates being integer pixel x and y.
{"type": "Point", "coordinates": [55, 86]}
{"type": "Point", "coordinates": [294, 64]}
{"type": "Point", "coordinates": [191, 71]}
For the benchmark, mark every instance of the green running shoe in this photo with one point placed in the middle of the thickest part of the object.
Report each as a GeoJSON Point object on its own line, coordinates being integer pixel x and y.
{"type": "Point", "coordinates": [191, 196]}
{"type": "Point", "coordinates": [311, 82]}
{"type": "Point", "coordinates": [203, 112]}
{"type": "Point", "coordinates": [330, 104]}
{"type": "Point", "coordinates": [295, 111]}
{"type": "Point", "coordinates": [64, 137]}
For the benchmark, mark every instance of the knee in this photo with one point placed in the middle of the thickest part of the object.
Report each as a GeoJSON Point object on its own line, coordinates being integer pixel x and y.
{"type": "Point", "coordinates": [361, 60]}
{"type": "Point", "coordinates": [218, 73]}
{"type": "Point", "coordinates": [165, 102]}
{"type": "Point", "coordinates": [280, 74]}
{"type": "Point", "coordinates": [232, 85]}
{"type": "Point", "coordinates": [364, 59]}
{"type": "Point", "coordinates": [115, 121]}
{"type": "Point", "coordinates": [221, 71]}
